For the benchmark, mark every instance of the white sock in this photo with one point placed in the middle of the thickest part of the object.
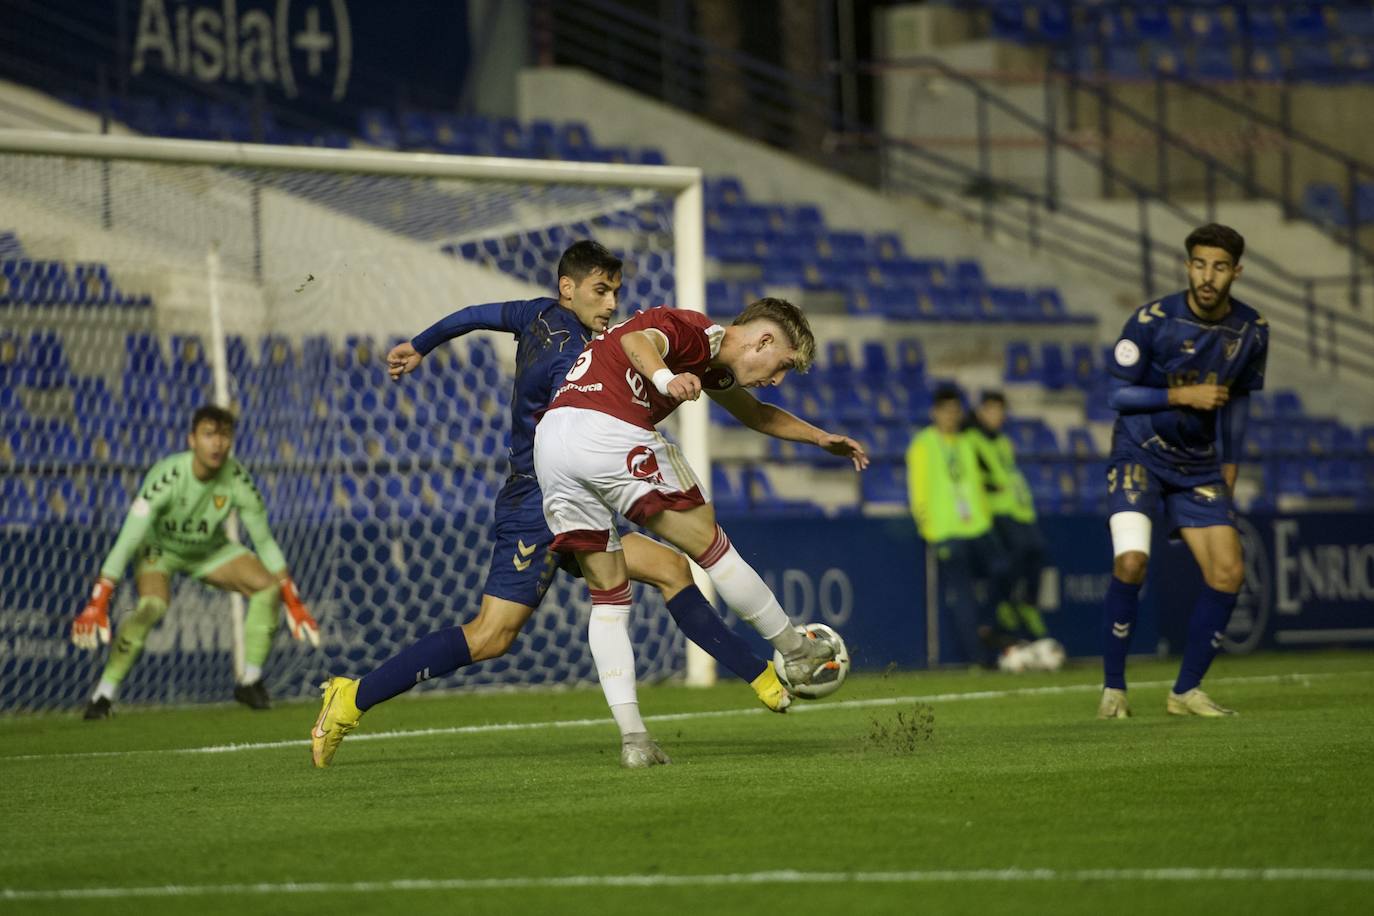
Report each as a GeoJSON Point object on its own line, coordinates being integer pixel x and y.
{"type": "Point", "coordinates": [105, 690]}
{"type": "Point", "coordinates": [748, 595]}
{"type": "Point", "coordinates": [608, 634]}
{"type": "Point", "coordinates": [252, 674]}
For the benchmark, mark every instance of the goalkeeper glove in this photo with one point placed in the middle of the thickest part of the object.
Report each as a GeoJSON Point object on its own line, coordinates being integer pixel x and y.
{"type": "Point", "coordinates": [303, 626]}
{"type": "Point", "coordinates": [92, 626]}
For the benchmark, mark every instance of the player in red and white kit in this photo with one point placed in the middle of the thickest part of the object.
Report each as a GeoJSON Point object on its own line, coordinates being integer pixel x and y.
{"type": "Point", "coordinates": [597, 454]}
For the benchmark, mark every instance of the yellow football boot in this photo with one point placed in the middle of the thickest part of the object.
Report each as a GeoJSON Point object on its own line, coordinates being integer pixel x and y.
{"type": "Point", "coordinates": [339, 714]}
{"type": "Point", "coordinates": [771, 690]}
{"type": "Point", "coordinates": [1113, 704]}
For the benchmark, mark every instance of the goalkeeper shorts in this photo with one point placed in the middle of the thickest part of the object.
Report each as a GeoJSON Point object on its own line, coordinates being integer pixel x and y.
{"type": "Point", "coordinates": [156, 559]}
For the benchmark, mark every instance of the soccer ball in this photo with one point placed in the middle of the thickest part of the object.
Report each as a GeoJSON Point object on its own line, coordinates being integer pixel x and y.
{"type": "Point", "coordinates": [1048, 654]}
{"type": "Point", "coordinates": [829, 674]}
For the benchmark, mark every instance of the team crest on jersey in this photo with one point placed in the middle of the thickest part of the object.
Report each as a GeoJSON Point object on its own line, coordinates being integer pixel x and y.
{"type": "Point", "coordinates": [1232, 348]}
{"type": "Point", "coordinates": [1188, 347]}
{"type": "Point", "coordinates": [1207, 492]}
{"type": "Point", "coordinates": [219, 501]}
{"type": "Point", "coordinates": [643, 464]}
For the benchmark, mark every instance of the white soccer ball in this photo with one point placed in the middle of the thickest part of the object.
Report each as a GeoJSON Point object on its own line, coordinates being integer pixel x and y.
{"type": "Point", "coordinates": [1048, 653]}
{"type": "Point", "coordinates": [829, 674]}
{"type": "Point", "coordinates": [1016, 658]}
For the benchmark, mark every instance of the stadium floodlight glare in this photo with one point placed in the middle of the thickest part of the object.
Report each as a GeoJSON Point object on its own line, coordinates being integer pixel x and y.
{"type": "Point", "coordinates": [280, 277]}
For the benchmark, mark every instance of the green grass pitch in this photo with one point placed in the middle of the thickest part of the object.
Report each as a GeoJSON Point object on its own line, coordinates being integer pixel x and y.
{"type": "Point", "coordinates": [905, 793]}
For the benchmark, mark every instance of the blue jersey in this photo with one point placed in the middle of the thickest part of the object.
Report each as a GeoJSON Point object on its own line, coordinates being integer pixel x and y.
{"type": "Point", "coordinates": [549, 338]}
{"type": "Point", "coordinates": [1164, 345]}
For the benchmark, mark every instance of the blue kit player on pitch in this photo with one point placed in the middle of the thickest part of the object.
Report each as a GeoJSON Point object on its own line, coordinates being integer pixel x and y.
{"type": "Point", "coordinates": [551, 333]}
{"type": "Point", "coordinates": [1182, 374]}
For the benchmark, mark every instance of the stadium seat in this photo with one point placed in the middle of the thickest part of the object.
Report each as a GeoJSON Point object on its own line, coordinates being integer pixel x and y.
{"type": "Point", "coordinates": [1287, 405]}
{"type": "Point", "coordinates": [1008, 21]}
{"type": "Point", "coordinates": [1323, 203]}
{"type": "Point", "coordinates": [1152, 22]}
{"type": "Point", "coordinates": [1019, 365]}
{"type": "Point", "coordinates": [1306, 21]}
{"type": "Point", "coordinates": [1081, 443]}
{"type": "Point", "coordinates": [1214, 61]}
{"type": "Point", "coordinates": [1054, 374]}
{"type": "Point", "coordinates": [1123, 62]}
{"type": "Point", "coordinates": [1261, 23]}
{"type": "Point", "coordinates": [968, 275]}
{"type": "Point", "coordinates": [884, 483]}
{"type": "Point", "coordinates": [1084, 372]}
{"type": "Point", "coordinates": [1313, 63]}
{"type": "Point", "coordinates": [911, 363]}
{"type": "Point", "coordinates": [1265, 63]}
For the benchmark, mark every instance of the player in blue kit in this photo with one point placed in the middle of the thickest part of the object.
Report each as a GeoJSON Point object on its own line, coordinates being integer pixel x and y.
{"type": "Point", "coordinates": [550, 334]}
{"type": "Point", "coordinates": [1182, 374]}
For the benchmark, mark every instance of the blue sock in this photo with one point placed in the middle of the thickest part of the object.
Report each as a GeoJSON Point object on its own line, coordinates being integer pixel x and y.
{"type": "Point", "coordinates": [1118, 619]}
{"type": "Point", "coordinates": [700, 623]}
{"type": "Point", "coordinates": [433, 655]}
{"type": "Point", "coordinates": [1210, 616]}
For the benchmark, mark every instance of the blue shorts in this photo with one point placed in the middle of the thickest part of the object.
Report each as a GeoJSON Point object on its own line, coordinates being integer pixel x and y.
{"type": "Point", "coordinates": [1140, 480]}
{"type": "Point", "coordinates": [522, 565]}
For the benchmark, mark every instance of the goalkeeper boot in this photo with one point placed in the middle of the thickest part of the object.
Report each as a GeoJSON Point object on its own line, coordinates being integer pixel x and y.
{"type": "Point", "coordinates": [638, 750]}
{"type": "Point", "coordinates": [253, 695]}
{"type": "Point", "coordinates": [1195, 703]}
{"type": "Point", "coordinates": [770, 690]}
{"type": "Point", "coordinates": [1113, 704]}
{"type": "Point", "coordinates": [339, 714]}
{"type": "Point", "coordinates": [98, 708]}
{"type": "Point", "coordinates": [801, 667]}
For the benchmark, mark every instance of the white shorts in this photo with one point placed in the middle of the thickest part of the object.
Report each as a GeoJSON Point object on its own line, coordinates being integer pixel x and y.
{"type": "Point", "coordinates": [592, 466]}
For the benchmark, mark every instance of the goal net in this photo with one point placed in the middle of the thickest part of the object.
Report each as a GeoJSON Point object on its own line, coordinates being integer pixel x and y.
{"type": "Point", "coordinates": [142, 278]}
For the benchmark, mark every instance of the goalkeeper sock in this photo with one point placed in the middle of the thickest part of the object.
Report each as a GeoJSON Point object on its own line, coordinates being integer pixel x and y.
{"type": "Point", "coordinates": [747, 594]}
{"type": "Point", "coordinates": [258, 626]}
{"type": "Point", "coordinates": [433, 655]}
{"type": "Point", "coordinates": [1210, 616]}
{"type": "Point", "coordinates": [608, 634]}
{"type": "Point", "coordinates": [1032, 622]}
{"type": "Point", "coordinates": [128, 641]}
{"type": "Point", "coordinates": [700, 623]}
{"type": "Point", "coordinates": [1118, 617]}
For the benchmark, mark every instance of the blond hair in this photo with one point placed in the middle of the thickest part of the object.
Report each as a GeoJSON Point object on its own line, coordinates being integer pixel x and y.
{"type": "Point", "coordinates": [792, 322]}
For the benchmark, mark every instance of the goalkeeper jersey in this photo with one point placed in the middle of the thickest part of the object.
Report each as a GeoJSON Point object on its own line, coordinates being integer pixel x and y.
{"type": "Point", "coordinates": [180, 514]}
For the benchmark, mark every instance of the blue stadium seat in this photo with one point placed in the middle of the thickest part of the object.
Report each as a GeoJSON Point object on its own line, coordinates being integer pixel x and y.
{"type": "Point", "coordinates": [1287, 405]}
{"type": "Point", "coordinates": [727, 494]}
{"type": "Point", "coordinates": [887, 441]}
{"type": "Point", "coordinates": [1307, 21]}
{"type": "Point", "coordinates": [1261, 23]}
{"type": "Point", "coordinates": [1152, 22]}
{"type": "Point", "coordinates": [1081, 443]}
{"type": "Point", "coordinates": [1214, 61]}
{"type": "Point", "coordinates": [1323, 203]}
{"type": "Point", "coordinates": [1355, 20]}
{"type": "Point", "coordinates": [1265, 63]}
{"type": "Point", "coordinates": [1083, 370]}
{"type": "Point", "coordinates": [884, 483]}
{"type": "Point", "coordinates": [1054, 373]}
{"type": "Point", "coordinates": [1313, 63]}
{"type": "Point", "coordinates": [1049, 21]}
{"type": "Point", "coordinates": [1009, 22]}
{"type": "Point", "coordinates": [968, 275]}
{"type": "Point", "coordinates": [911, 363]}
{"type": "Point", "coordinates": [724, 190]}
{"type": "Point", "coordinates": [1122, 61]}
{"type": "Point", "coordinates": [1019, 365]}
{"type": "Point", "coordinates": [1206, 27]}
{"type": "Point", "coordinates": [1166, 59]}
{"type": "Point", "coordinates": [875, 369]}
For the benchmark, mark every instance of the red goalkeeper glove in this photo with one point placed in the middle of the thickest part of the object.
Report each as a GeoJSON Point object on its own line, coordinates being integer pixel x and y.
{"type": "Point", "coordinates": [303, 626]}
{"type": "Point", "coordinates": [91, 628]}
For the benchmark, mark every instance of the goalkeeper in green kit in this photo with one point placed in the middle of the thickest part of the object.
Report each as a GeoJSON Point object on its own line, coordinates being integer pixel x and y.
{"type": "Point", "coordinates": [176, 524]}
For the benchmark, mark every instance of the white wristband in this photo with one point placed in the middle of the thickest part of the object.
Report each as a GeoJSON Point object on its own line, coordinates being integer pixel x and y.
{"type": "Point", "coordinates": [661, 378]}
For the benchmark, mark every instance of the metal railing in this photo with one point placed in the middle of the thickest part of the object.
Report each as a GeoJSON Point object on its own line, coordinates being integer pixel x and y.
{"type": "Point", "coordinates": [663, 59]}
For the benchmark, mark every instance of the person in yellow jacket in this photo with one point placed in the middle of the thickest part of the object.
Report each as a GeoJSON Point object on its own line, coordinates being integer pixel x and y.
{"type": "Point", "coordinates": [1013, 516]}
{"type": "Point", "coordinates": [953, 516]}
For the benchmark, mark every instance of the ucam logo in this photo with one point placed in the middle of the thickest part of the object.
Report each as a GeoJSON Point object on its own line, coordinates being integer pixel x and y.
{"type": "Point", "coordinates": [221, 42]}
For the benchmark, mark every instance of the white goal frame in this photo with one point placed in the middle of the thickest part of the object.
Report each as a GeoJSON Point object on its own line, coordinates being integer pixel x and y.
{"type": "Point", "coordinates": [684, 183]}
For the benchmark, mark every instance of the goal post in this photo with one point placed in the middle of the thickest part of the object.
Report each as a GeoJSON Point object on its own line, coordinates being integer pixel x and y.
{"type": "Point", "coordinates": [278, 277]}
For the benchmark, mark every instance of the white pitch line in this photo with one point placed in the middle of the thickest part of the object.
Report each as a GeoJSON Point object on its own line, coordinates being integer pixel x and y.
{"type": "Point", "coordinates": [960, 696]}
{"type": "Point", "coordinates": [788, 876]}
